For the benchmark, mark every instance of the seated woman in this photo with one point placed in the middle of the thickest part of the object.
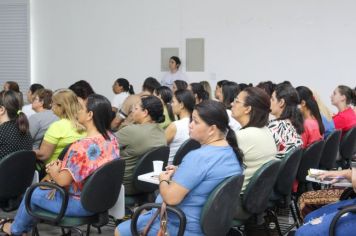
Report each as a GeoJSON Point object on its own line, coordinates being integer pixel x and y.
{"type": "Point", "coordinates": [188, 187]}
{"type": "Point", "coordinates": [251, 110]}
{"type": "Point", "coordinates": [178, 131]}
{"type": "Point", "coordinates": [199, 92]}
{"type": "Point", "coordinates": [288, 125]}
{"type": "Point", "coordinates": [313, 124]}
{"type": "Point", "coordinates": [178, 85]}
{"type": "Point", "coordinates": [342, 98]}
{"type": "Point", "coordinates": [165, 94]}
{"type": "Point", "coordinates": [318, 221]}
{"type": "Point", "coordinates": [122, 89]}
{"type": "Point", "coordinates": [136, 139]}
{"type": "Point", "coordinates": [326, 116]}
{"type": "Point", "coordinates": [14, 133]}
{"type": "Point", "coordinates": [229, 91]}
{"type": "Point", "coordinates": [44, 116]}
{"type": "Point", "coordinates": [64, 131]}
{"type": "Point", "coordinates": [78, 164]}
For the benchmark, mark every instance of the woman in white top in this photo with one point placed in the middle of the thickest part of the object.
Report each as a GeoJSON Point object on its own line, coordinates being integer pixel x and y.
{"type": "Point", "coordinates": [174, 73]}
{"type": "Point", "coordinates": [251, 109]}
{"type": "Point", "coordinates": [178, 131]}
{"type": "Point", "coordinates": [229, 91]}
{"type": "Point", "coordinates": [122, 89]}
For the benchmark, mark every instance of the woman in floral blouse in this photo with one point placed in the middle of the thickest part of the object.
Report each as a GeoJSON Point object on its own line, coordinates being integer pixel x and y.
{"type": "Point", "coordinates": [81, 160]}
{"type": "Point", "coordinates": [288, 125]}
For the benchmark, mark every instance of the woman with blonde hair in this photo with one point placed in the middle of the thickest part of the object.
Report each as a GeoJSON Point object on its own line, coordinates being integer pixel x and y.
{"type": "Point", "coordinates": [326, 115]}
{"type": "Point", "coordinates": [64, 131]}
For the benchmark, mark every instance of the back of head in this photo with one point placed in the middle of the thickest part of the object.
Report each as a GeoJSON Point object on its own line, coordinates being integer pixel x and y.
{"type": "Point", "coordinates": [221, 82]}
{"type": "Point", "coordinates": [185, 97]}
{"type": "Point", "coordinates": [290, 96]}
{"type": "Point", "coordinates": [82, 89]}
{"type": "Point", "coordinates": [260, 104]}
{"type": "Point", "coordinates": [101, 108]}
{"type": "Point", "coordinates": [10, 100]}
{"type": "Point", "coordinates": [267, 86]}
{"type": "Point", "coordinates": [154, 107]}
{"type": "Point", "coordinates": [35, 87]}
{"type": "Point", "coordinates": [125, 84]}
{"type": "Point", "coordinates": [199, 91]}
{"type": "Point", "coordinates": [150, 84]}
{"type": "Point", "coordinates": [45, 96]}
{"type": "Point", "coordinates": [348, 93]}
{"type": "Point", "coordinates": [324, 110]}
{"type": "Point", "coordinates": [165, 93]}
{"type": "Point", "coordinates": [244, 85]}
{"type": "Point", "coordinates": [214, 113]}
{"type": "Point", "coordinates": [229, 90]}
{"type": "Point", "coordinates": [181, 84]}
{"type": "Point", "coordinates": [14, 86]}
{"type": "Point", "coordinates": [67, 106]}
{"type": "Point", "coordinates": [207, 87]}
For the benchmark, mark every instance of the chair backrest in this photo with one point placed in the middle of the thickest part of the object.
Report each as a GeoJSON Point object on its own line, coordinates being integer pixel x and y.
{"type": "Point", "coordinates": [102, 188]}
{"type": "Point", "coordinates": [16, 173]}
{"type": "Point", "coordinates": [310, 159]}
{"type": "Point", "coordinates": [330, 150]}
{"type": "Point", "coordinates": [259, 189]}
{"type": "Point", "coordinates": [219, 209]}
{"type": "Point", "coordinates": [144, 165]}
{"type": "Point", "coordinates": [348, 144]}
{"type": "Point", "coordinates": [287, 172]}
{"type": "Point", "coordinates": [183, 150]}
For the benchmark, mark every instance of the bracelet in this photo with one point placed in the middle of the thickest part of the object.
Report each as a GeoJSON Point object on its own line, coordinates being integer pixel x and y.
{"type": "Point", "coordinates": [164, 180]}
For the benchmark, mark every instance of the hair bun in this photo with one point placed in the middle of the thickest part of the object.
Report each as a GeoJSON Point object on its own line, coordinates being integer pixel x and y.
{"type": "Point", "coordinates": [161, 119]}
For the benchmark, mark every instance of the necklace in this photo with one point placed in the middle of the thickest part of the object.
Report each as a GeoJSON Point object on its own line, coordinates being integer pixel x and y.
{"type": "Point", "coordinates": [214, 141]}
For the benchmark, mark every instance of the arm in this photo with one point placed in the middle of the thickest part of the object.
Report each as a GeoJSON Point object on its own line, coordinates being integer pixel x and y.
{"type": "Point", "coordinates": [353, 170]}
{"type": "Point", "coordinates": [338, 173]}
{"type": "Point", "coordinates": [170, 132]}
{"type": "Point", "coordinates": [171, 192]}
{"type": "Point", "coordinates": [46, 150]}
{"type": "Point", "coordinates": [62, 177]}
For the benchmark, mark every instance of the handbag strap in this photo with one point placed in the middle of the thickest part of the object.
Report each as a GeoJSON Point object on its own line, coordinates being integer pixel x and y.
{"type": "Point", "coordinates": [163, 218]}
{"type": "Point", "coordinates": [149, 224]}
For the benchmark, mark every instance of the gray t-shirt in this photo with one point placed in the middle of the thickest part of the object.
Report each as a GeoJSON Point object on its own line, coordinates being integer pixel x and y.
{"type": "Point", "coordinates": [39, 124]}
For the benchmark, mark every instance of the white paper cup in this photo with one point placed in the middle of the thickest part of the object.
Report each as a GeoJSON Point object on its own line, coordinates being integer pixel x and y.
{"type": "Point", "coordinates": [157, 166]}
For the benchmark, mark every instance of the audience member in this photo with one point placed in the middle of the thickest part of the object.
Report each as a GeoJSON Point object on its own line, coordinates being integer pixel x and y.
{"type": "Point", "coordinates": [267, 86]}
{"type": "Point", "coordinates": [207, 87]}
{"type": "Point", "coordinates": [188, 187]}
{"type": "Point", "coordinates": [165, 94]}
{"type": "Point", "coordinates": [27, 109]}
{"type": "Point", "coordinates": [178, 85]}
{"type": "Point", "coordinates": [218, 89]}
{"type": "Point", "coordinates": [122, 89]}
{"type": "Point", "coordinates": [14, 134]}
{"type": "Point", "coordinates": [326, 116]}
{"type": "Point", "coordinates": [82, 89]}
{"type": "Point", "coordinates": [44, 116]}
{"type": "Point", "coordinates": [174, 73]}
{"type": "Point", "coordinates": [76, 167]}
{"type": "Point", "coordinates": [136, 139]}
{"type": "Point", "coordinates": [178, 131]}
{"type": "Point", "coordinates": [229, 91]}
{"type": "Point", "coordinates": [199, 93]}
{"type": "Point", "coordinates": [288, 125]}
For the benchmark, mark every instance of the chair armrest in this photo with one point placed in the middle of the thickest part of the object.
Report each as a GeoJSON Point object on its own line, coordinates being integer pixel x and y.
{"type": "Point", "coordinates": [58, 188]}
{"type": "Point", "coordinates": [332, 229]}
{"type": "Point", "coordinates": [149, 206]}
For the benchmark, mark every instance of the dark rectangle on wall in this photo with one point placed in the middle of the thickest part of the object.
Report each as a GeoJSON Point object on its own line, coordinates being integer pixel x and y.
{"type": "Point", "coordinates": [167, 53]}
{"type": "Point", "coordinates": [195, 54]}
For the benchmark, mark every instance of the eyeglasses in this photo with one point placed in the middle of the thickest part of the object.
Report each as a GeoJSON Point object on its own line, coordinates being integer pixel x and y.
{"type": "Point", "coordinates": [237, 101]}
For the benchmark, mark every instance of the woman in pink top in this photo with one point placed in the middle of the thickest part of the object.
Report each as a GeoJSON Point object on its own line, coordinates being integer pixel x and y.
{"type": "Point", "coordinates": [342, 97]}
{"type": "Point", "coordinates": [313, 125]}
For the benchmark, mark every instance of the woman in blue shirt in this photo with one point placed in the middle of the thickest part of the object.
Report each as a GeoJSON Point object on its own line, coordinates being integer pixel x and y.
{"type": "Point", "coordinates": [188, 187]}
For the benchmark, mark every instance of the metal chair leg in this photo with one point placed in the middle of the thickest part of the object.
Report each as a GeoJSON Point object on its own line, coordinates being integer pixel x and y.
{"type": "Point", "coordinates": [35, 231]}
{"type": "Point", "coordinates": [78, 231]}
{"type": "Point", "coordinates": [88, 230]}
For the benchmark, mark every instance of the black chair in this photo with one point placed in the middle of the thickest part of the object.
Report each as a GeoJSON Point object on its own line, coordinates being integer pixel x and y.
{"type": "Point", "coordinates": [281, 195]}
{"type": "Point", "coordinates": [99, 194]}
{"type": "Point", "coordinates": [330, 151]}
{"type": "Point", "coordinates": [216, 215]}
{"type": "Point", "coordinates": [183, 150]}
{"type": "Point", "coordinates": [347, 148]}
{"type": "Point", "coordinates": [310, 159]}
{"type": "Point", "coordinates": [256, 196]}
{"type": "Point", "coordinates": [16, 173]}
{"type": "Point", "coordinates": [348, 209]}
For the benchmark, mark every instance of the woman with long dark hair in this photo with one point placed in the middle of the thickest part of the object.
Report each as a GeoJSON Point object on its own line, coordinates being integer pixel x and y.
{"type": "Point", "coordinates": [122, 89]}
{"type": "Point", "coordinates": [201, 170]}
{"type": "Point", "coordinates": [165, 94]}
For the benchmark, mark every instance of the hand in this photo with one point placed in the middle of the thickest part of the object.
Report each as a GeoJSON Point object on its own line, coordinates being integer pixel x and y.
{"type": "Point", "coordinates": [172, 167]}
{"type": "Point", "coordinates": [335, 175]}
{"type": "Point", "coordinates": [53, 167]}
{"type": "Point", "coordinates": [166, 175]}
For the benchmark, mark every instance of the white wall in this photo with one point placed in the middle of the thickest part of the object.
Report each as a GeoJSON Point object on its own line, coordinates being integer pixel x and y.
{"type": "Point", "coordinates": [310, 43]}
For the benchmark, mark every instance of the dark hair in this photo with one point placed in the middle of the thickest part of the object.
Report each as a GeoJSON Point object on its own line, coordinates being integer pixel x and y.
{"type": "Point", "coordinates": [306, 95]}
{"type": "Point", "coordinates": [124, 83]}
{"type": "Point", "coordinates": [221, 82]}
{"type": "Point", "coordinates": [82, 89]}
{"type": "Point", "coordinates": [176, 60]}
{"type": "Point", "coordinates": [181, 84]}
{"type": "Point", "coordinates": [348, 93]}
{"type": "Point", "coordinates": [229, 91]}
{"type": "Point", "coordinates": [150, 84]}
{"type": "Point", "coordinates": [101, 108]}
{"type": "Point", "coordinates": [166, 95]}
{"type": "Point", "coordinates": [187, 98]}
{"type": "Point", "coordinates": [11, 101]}
{"type": "Point", "coordinates": [154, 107]}
{"type": "Point", "coordinates": [14, 86]}
{"type": "Point", "coordinates": [243, 85]}
{"type": "Point", "coordinates": [260, 104]}
{"type": "Point", "coordinates": [199, 90]}
{"type": "Point", "coordinates": [35, 87]}
{"type": "Point", "coordinates": [290, 96]}
{"type": "Point", "coordinates": [267, 86]}
{"type": "Point", "coordinates": [45, 96]}
{"type": "Point", "coordinates": [214, 113]}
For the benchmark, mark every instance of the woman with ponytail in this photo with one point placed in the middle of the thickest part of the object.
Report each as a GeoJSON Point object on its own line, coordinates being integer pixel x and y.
{"type": "Point", "coordinates": [313, 124]}
{"type": "Point", "coordinates": [14, 128]}
{"type": "Point", "coordinates": [122, 89]}
{"type": "Point", "coordinates": [165, 94]}
{"type": "Point", "coordinates": [188, 187]}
